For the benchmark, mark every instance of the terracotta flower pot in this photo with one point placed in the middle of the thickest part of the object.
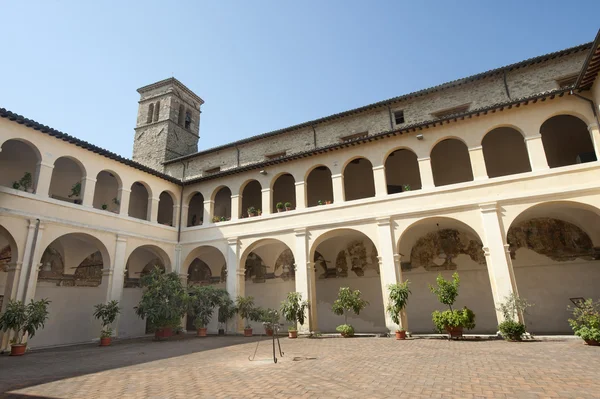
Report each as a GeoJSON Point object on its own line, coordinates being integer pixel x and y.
{"type": "Point", "coordinates": [400, 334]}
{"type": "Point", "coordinates": [279, 210]}
{"type": "Point", "coordinates": [251, 214]}
{"type": "Point", "coordinates": [293, 333]}
{"type": "Point", "coordinates": [454, 332]}
{"type": "Point", "coordinates": [104, 341]}
{"type": "Point", "coordinates": [162, 333]}
{"type": "Point", "coordinates": [327, 202]}
{"type": "Point", "coordinates": [592, 342]}
{"type": "Point", "coordinates": [247, 332]}
{"type": "Point", "coordinates": [201, 332]}
{"type": "Point", "coordinates": [288, 209]}
{"type": "Point", "coordinates": [269, 332]}
{"type": "Point", "coordinates": [18, 350]}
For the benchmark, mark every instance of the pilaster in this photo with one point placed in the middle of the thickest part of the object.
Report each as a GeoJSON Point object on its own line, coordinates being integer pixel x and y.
{"type": "Point", "coordinates": [176, 216]}
{"type": "Point", "coordinates": [302, 279]}
{"type": "Point", "coordinates": [426, 173]}
{"type": "Point", "coordinates": [153, 210]}
{"type": "Point", "coordinates": [44, 177]}
{"type": "Point", "coordinates": [595, 134]}
{"type": "Point", "coordinates": [337, 182]}
{"type": "Point", "coordinates": [380, 182]}
{"type": "Point", "coordinates": [236, 205]}
{"type": "Point", "coordinates": [537, 155]}
{"type": "Point", "coordinates": [266, 201]}
{"type": "Point", "coordinates": [209, 205]}
{"type": "Point", "coordinates": [300, 195]}
{"type": "Point", "coordinates": [478, 163]}
{"type": "Point", "coordinates": [87, 190]}
{"type": "Point", "coordinates": [123, 197]}
{"type": "Point", "coordinates": [387, 265]}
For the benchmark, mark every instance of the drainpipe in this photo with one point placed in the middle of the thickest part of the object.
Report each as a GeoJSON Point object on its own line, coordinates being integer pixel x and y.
{"type": "Point", "coordinates": [506, 86]}
{"type": "Point", "coordinates": [314, 136]}
{"type": "Point", "coordinates": [591, 102]}
{"type": "Point", "coordinates": [180, 204]}
{"type": "Point", "coordinates": [391, 118]}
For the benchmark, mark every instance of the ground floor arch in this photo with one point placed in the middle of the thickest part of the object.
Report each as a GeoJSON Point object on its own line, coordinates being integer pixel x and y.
{"type": "Point", "coordinates": [555, 252]}
{"type": "Point", "coordinates": [441, 245]}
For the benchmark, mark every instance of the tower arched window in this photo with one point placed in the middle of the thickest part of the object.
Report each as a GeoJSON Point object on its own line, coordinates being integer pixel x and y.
{"type": "Point", "coordinates": [188, 120]}
{"type": "Point", "coordinates": [156, 111]}
{"type": "Point", "coordinates": [181, 115]}
{"type": "Point", "coordinates": [150, 113]}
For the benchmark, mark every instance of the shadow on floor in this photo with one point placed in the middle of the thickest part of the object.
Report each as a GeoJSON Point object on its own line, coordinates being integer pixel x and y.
{"type": "Point", "coordinates": [53, 364]}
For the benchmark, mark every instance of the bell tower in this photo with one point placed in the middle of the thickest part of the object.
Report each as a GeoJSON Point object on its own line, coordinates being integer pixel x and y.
{"type": "Point", "coordinates": [168, 123]}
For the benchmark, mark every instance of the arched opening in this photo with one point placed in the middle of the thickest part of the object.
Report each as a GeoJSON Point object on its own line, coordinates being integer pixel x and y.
{"type": "Point", "coordinates": [251, 198]}
{"type": "Point", "coordinates": [348, 258]}
{"type": "Point", "coordinates": [567, 141]}
{"type": "Point", "coordinates": [270, 274]}
{"type": "Point", "coordinates": [207, 266]}
{"type": "Point", "coordinates": [402, 172]}
{"type": "Point", "coordinates": [166, 211]}
{"type": "Point", "coordinates": [505, 152]}
{"type": "Point", "coordinates": [19, 164]}
{"type": "Point", "coordinates": [8, 256]}
{"type": "Point", "coordinates": [319, 188]}
{"type": "Point", "coordinates": [196, 210]}
{"type": "Point", "coordinates": [141, 262]}
{"type": "Point", "coordinates": [556, 257]}
{"type": "Point", "coordinates": [443, 246]}
{"type": "Point", "coordinates": [106, 192]}
{"type": "Point", "coordinates": [66, 184]}
{"type": "Point", "coordinates": [283, 191]}
{"type": "Point", "coordinates": [222, 208]}
{"type": "Point", "coordinates": [450, 163]}
{"type": "Point", "coordinates": [138, 201]}
{"type": "Point", "coordinates": [358, 179]}
{"type": "Point", "coordinates": [70, 277]}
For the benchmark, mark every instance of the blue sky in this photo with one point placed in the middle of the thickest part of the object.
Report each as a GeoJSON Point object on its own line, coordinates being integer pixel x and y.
{"type": "Point", "coordinates": [262, 65]}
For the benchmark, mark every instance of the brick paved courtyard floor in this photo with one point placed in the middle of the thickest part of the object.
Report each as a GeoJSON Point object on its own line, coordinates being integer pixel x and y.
{"type": "Point", "coordinates": [218, 367]}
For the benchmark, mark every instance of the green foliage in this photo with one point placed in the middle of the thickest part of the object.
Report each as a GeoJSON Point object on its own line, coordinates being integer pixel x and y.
{"type": "Point", "coordinates": [203, 301]}
{"type": "Point", "coordinates": [512, 306]}
{"type": "Point", "coordinates": [75, 190]}
{"type": "Point", "coordinates": [406, 187]}
{"type": "Point", "coordinates": [116, 201]}
{"type": "Point", "coordinates": [348, 300]}
{"type": "Point", "coordinates": [107, 313]}
{"type": "Point", "coordinates": [446, 291]}
{"type": "Point", "coordinates": [586, 320]}
{"type": "Point", "coordinates": [104, 207]}
{"type": "Point", "coordinates": [16, 185]}
{"type": "Point", "coordinates": [294, 308]}
{"type": "Point", "coordinates": [512, 330]}
{"type": "Point", "coordinates": [288, 204]}
{"type": "Point", "coordinates": [245, 308]}
{"type": "Point", "coordinates": [164, 301]}
{"type": "Point", "coordinates": [345, 329]}
{"type": "Point", "coordinates": [269, 317]}
{"type": "Point", "coordinates": [279, 205]}
{"type": "Point", "coordinates": [398, 298]}
{"type": "Point", "coordinates": [24, 319]}
{"type": "Point", "coordinates": [227, 309]}
{"type": "Point", "coordinates": [454, 318]}
{"type": "Point", "coordinates": [252, 210]}
{"type": "Point", "coordinates": [320, 202]}
{"type": "Point", "coordinates": [26, 181]}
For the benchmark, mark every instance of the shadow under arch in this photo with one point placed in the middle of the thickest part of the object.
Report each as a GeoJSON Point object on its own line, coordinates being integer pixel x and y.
{"type": "Point", "coordinates": [18, 157]}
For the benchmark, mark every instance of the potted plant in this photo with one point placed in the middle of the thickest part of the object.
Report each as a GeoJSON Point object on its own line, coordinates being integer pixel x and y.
{"type": "Point", "coordinates": [319, 202]}
{"type": "Point", "coordinates": [288, 206]}
{"type": "Point", "coordinates": [259, 212]}
{"type": "Point", "coordinates": [203, 301]}
{"type": "Point", "coordinates": [164, 302]}
{"type": "Point", "coordinates": [27, 182]}
{"type": "Point", "coordinates": [406, 187]}
{"type": "Point", "coordinates": [452, 321]}
{"type": "Point", "coordinates": [251, 211]}
{"type": "Point", "coordinates": [269, 318]}
{"type": "Point", "coordinates": [327, 202]}
{"type": "Point", "coordinates": [294, 309]}
{"type": "Point", "coordinates": [107, 313]}
{"type": "Point", "coordinates": [247, 311]}
{"type": "Point", "coordinates": [24, 321]}
{"type": "Point", "coordinates": [279, 207]}
{"type": "Point", "coordinates": [216, 219]}
{"type": "Point", "coordinates": [347, 301]}
{"type": "Point", "coordinates": [398, 298]}
{"type": "Point", "coordinates": [16, 185]}
{"type": "Point", "coordinates": [226, 312]}
{"type": "Point", "coordinates": [116, 201]}
{"type": "Point", "coordinates": [586, 321]}
{"type": "Point", "coordinates": [511, 328]}
{"type": "Point", "coordinates": [75, 190]}
{"type": "Point", "coordinates": [104, 207]}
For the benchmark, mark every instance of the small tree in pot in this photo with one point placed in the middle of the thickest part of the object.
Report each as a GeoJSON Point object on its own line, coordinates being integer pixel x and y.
{"type": "Point", "coordinates": [452, 321]}
{"type": "Point", "coordinates": [347, 301]}
{"type": "Point", "coordinates": [294, 309]}
{"type": "Point", "coordinates": [27, 182]}
{"type": "Point", "coordinates": [107, 313]}
{"type": "Point", "coordinates": [398, 298]}
{"type": "Point", "coordinates": [226, 312]}
{"type": "Point", "coordinates": [24, 321]}
{"type": "Point", "coordinates": [247, 311]}
{"type": "Point", "coordinates": [251, 211]}
{"type": "Point", "coordinates": [288, 206]}
{"type": "Point", "coordinates": [279, 207]}
{"type": "Point", "coordinates": [164, 302]}
{"type": "Point", "coordinates": [269, 318]}
{"type": "Point", "coordinates": [511, 328]}
{"type": "Point", "coordinates": [203, 301]}
{"type": "Point", "coordinates": [586, 322]}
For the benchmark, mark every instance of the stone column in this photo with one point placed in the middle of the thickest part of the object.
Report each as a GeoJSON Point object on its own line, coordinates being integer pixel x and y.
{"type": "Point", "coordinates": [27, 279]}
{"type": "Point", "coordinates": [123, 197]}
{"type": "Point", "coordinates": [114, 278]}
{"type": "Point", "coordinates": [595, 133]}
{"type": "Point", "coordinates": [152, 213]}
{"type": "Point", "coordinates": [426, 173]}
{"type": "Point", "coordinates": [311, 272]}
{"type": "Point", "coordinates": [497, 256]}
{"type": "Point", "coordinates": [183, 277]}
{"type": "Point", "coordinates": [176, 216]}
{"type": "Point", "coordinates": [87, 190]}
{"type": "Point", "coordinates": [208, 212]}
{"type": "Point", "coordinates": [380, 182]}
{"type": "Point", "coordinates": [478, 163]}
{"type": "Point", "coordinates": [302, 278]}
{"type": "Point", "coordinates": [185, 209]}
{"type": "Point", "coordinates": [537, 155]}
{"type": "Point", "coordinates": [235, 275]}
{"type": "Point", "coordinates": [10, 292]}
{"type": "Point", "coordinates": [44, 177]}
{"type": "Point", "coordinates": [387, 266]}
{"type": "Point", "coordinates": [236, 205]}
{"type": "Point", "coordinates": [266, 201]}
{"type": "Point", "coordinates": [178, 261]}
{"type": "Point", "coordinates": [300, 195]}
{"type": "Point", "coordinates": [35, 266]}
{"type": "Point", "coordinates": [337, 181]}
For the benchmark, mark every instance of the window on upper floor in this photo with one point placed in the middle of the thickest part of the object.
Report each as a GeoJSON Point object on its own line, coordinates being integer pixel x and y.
{"type": "Point", "coordinates": [212, 170]}
{"type": "Point", "coordinates": [276, 155]}
{"type": "Point", "coordinates": [150, 113]}
{"type": "Point", "coordinates": [566, 81]}
{"type": "Point", "coordinates": [156, 110]}
{"type": "Point", "coordinates": [352, 137]}
{"type": "Point", "coordinates": [188, 119]}
{"type": "Point", "coordinates": [399, 117]}
{"type": "Point", "coordinates": [181, 115]}
{"type": "Point", "coordinates": [451, 111]}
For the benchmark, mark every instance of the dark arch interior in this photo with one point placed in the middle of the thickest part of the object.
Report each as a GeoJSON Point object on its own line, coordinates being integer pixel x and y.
{"type": "Point", "coordinates": [358, 180]}
{"type": "Point", "coordinates": [450, 163]}
{"type": "Point", "coordinates": [505, 152]}
{"type": "Point", "coordinates": [402, 172]}
{"type": "Point", "coordinates": [567, 141]}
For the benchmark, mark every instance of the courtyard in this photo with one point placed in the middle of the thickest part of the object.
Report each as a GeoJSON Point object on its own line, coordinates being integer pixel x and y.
{"type": "Point", "coordinates": [219, 367]}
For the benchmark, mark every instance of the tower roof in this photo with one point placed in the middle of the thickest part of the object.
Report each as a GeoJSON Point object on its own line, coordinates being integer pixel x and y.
{"type": "Point", "coordinates": [167, 82]}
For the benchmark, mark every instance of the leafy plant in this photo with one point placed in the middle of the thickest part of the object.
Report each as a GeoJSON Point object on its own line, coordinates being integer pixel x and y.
{"type": "Point", "coordinates": [203, 301]}
{"type": "Point", "coordinates": [406, 187]}
{"type": "Point", "coordinates": [320, 202]}
{"type": "Point", "coordinates": [107, 313]}
{"type": "Point", "coordinates": [446, 291]}
{"type": "Point", "coordinates": [293, 309]}
{"type": "Point", "coordinates": [164, 301]}
{"type": "Point", "coordinates": [453, 318]}
{"type": "Point", "coordinates": [75, 190]}
{"type": "Point", "coordinates": [398, 298]}
{"type": "Point", "coordinates": [245, 308]}
{"type": "Point", "coordinates": [586, 320]}
{"type": "Point", "coordinates": [216, 219]}
{"type": "Point", "coordinates": [288, 205]}
{"type": "Point", "coordinates": [345, 329]}
{"type": "Point", "coordinates": [24, 319]}
{"type": "Point", "coordinates": [511, 328]}
{"type": "Point", "coordinates": [252, 210]}
{"type": "Point", "coordinates": [16, 185]}
{"type": "Point", "coordinates": [104, 207]}
{"type": "Point", "coordinates": [116, 201]}
{"type": "Point", "coordinates": [227, 309]}
{"type": "Point", "coordinates": [269, 317]}
{"type": "Point", "coordinates": [279, 205]}
{"type": "Point", "coordinates": [347, 301]}
{"type": "Point", "coordinates": [26, 181]}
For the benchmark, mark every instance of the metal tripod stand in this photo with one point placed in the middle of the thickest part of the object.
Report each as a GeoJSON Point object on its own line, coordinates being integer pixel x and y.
{"type": "Point", "coordinates": [276, 327]}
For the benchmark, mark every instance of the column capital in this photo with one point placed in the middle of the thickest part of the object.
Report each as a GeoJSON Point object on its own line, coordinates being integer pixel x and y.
{"type": "Point", "coordinates": [383, 221]}
{"type": "Point", "coordinates": [241, 272]}
{"type": "Point", "coordinates": [299, 183]}
{"type": "Point", "coordinates": [423, 159]}
{"type": "Point", "coordinates": [183, 276]}
{"type": "Point", "coordinates": [337, 176]}
{"type": "Point", "coordinates": [300, 232]}
{"type": "Point", "coordinates": [378, 167]}
{"type": "Point", "coordinates": [533, 137]}
{"type": "Point", "coordinates": [125, 190]}
{"type": "Point", "coordinates": [185, 206]}
{"type": "Point", "coordinates": [46, 165]}
{"type": "Point", "coordinates": [477, 148]}
{"type": "Point", "coordinates": [310, 266]}
{"type": "Point", "coordinates": [592, 126]}
{"type": "Point", "coordinates": [397, 259]}
{"type": "Point", "coordinates": [107, 272]}
{"type": "Point", "coordinates": [488, 207]}
{"type": "Point", "coordinates": [265, 190]}
{"type": "Point", "coordinates": [209, 202]}
{"type": "Point", "coordinates": [154, 199]}
{"type": "Point", "coordinates": [486, 251]}
{"type": "Point", "coordinates": [507, 248]}
{"type": "Point", "coordinates": [232, 241]}
{"type": "Point", "coordinates": [380, 260]}
{"type": "Point", "coordinates": [236, 196]}
{"type": "Point", "coordinates": [88, 179]}
{"type": "Point", "coordinates": [13, 267]}
{"type": "Point", "coordinates": [121, 238]}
